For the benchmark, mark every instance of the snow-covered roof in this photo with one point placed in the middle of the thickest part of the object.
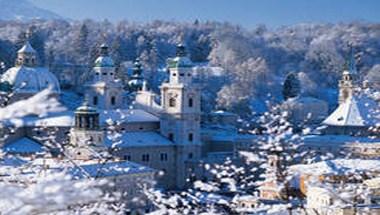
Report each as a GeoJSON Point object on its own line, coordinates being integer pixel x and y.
{"type": "Point", "coordinates": [338, 166]}
{"type": "Point", "coordinates": [30, 79]}
{"type": "Point", "coordinates": [67, 118]}
{"type": "Point", "coordinates": [108, 169]}
{"type": "Point", "coordinates": [23, 146]}
{"type": "Point", "coordinates": [131, 139]}
{"type": "Point", "coordinates": [358, 110]}
{"type": "Point", "coordinates": [336, 139]}
{"type": "Point", "coordinates": [129, 115]}
{"type": "Point", "coordinates": [76, 168]}
{"type": "Point", "coordinates": [27, 48]}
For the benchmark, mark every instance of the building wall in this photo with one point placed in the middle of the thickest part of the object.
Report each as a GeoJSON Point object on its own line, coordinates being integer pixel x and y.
{"type": "Point", "coordinates": [161, 158]}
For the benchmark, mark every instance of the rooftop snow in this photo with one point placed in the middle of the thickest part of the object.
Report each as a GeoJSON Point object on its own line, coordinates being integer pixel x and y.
{"type": "Point", "coordinates": [336, 139]}
{"type": "Point", "coordinates": [31, 79]}
{"type": "Point", "coordinates": [108, 169]}
{"type": "Point", "coordinates": [27, 48]}
{"type": "Point", "coordinates": [23, 145]}
{"type": "Point", "coordinates": [66, 118]}
{"type": "Point", "coordinates": [338, 166]}
{"type": "Point", "coordinates": [130, 139]}
{"type": "Point", "coordinates": [356, 111]}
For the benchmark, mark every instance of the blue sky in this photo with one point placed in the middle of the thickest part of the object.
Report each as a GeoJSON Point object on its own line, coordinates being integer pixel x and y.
{"type": "Point", "coordinates": [248, 13]}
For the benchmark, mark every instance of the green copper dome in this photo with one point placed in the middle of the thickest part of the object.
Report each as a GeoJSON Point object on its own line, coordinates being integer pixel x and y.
{"type": "Point", "coordinates": [181, 59]}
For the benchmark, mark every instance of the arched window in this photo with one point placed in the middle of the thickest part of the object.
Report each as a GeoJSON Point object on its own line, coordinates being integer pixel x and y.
{"type": "Point", "coordinates": [172, 102]}
{"type": "Point", "coordinates": [113, 100]}
{"type": "Point", "coordinates": [95, 100]}
{"type": "Point", "coordinates": [191, 102]}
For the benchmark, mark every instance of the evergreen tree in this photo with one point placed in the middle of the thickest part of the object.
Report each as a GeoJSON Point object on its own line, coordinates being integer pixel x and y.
{"type": "Point", "coordinates": [81, 42]}
{"type": "Point", "coordinates": [292, 86]}
{"type": "Point", "coordinates": [37, 40]}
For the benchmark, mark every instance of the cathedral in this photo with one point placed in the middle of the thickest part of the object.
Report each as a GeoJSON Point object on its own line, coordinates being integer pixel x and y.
{"type": "Point", "coordinates": [165, 135]}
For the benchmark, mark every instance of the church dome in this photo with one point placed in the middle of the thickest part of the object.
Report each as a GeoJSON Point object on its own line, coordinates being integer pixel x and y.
{"type": "Point", "coordinates": [181, 59]}
{"type": "Point", "coordinates": [104, 60]}
{"type": "Point", "coordinates": [30, 79]}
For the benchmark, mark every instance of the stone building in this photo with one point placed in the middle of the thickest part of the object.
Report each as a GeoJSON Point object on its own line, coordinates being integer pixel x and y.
{"type": "Point", "coordinates": [164, 135]}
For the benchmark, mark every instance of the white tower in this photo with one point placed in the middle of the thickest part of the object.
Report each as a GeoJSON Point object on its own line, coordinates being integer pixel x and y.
{"type": "Point", "coordinates": [86, 137]}
{"type": "Point", "coordinates": [104, 92]}
{"type": "Point", "coordinates": [347, 83]}
{"type": "Point", "coordinates": [180, 121]}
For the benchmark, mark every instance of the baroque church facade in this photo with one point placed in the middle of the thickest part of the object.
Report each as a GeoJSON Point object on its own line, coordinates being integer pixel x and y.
{"type": "Point", "coordinates": [165, 136]}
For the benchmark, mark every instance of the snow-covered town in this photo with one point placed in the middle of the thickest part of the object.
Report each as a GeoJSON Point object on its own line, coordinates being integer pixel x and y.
{"type": "Point", "coordinates": [188, 116]}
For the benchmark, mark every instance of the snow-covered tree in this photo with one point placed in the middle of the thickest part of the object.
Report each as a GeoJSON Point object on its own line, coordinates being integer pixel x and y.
{"type": "Point", "coordinates": [292, 86]}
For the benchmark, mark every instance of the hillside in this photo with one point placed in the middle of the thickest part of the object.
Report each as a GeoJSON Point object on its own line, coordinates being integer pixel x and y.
{"type": "Point", "coordinates": [24, 10]}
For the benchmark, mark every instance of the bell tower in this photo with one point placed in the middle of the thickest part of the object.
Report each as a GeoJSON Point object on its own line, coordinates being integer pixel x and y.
{"type": "Point", "coordinates": [86, 135]}
{"type": "Point", "coordinates": [180, 120]}
{"type": "Point", "coordinates": [347, 83]}
{"type": "Point", "coordinates": [104, 91]}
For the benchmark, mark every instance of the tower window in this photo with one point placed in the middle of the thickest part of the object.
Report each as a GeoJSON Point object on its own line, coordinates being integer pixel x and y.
{"type": "Point", "coordinates": [172, 102]}
{"type": "Point", "coordinates": [95, 100]}
{"type": "Point", "coordinates": [113, 100]}
{"type": "Point", "coordinates": [190, 102]}
{"type": "Point", "coordinates": [164, 157]}
{"type": "Point", "coordinates": [145, 157]}
{"type": "Point", "coordinates": [191, 137]}
{"type": "Point", "coordinates": [171, 136]}
{"type": "Point", "coordinates": [174, 74]}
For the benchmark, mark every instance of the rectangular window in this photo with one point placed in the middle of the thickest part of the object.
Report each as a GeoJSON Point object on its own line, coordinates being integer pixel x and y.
{"type": "Point", "coordinates": [145, 157]}
{"type": "Point", "coordinates": [191, 137]}
{"type": "Point", "coordinates": [95, 100]}
{"type": "Point", "coordinates": [127, 157]}
{"type": "Point", "coordinates": [164, 157]}
{"type": "Point", "coordinates": [171, 136]}
{"type": "Point", "coordinates": [190, 102]}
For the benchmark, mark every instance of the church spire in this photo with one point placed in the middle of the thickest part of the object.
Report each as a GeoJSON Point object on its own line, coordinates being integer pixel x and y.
{"type": "Point", "coordinates": [346, 84]}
